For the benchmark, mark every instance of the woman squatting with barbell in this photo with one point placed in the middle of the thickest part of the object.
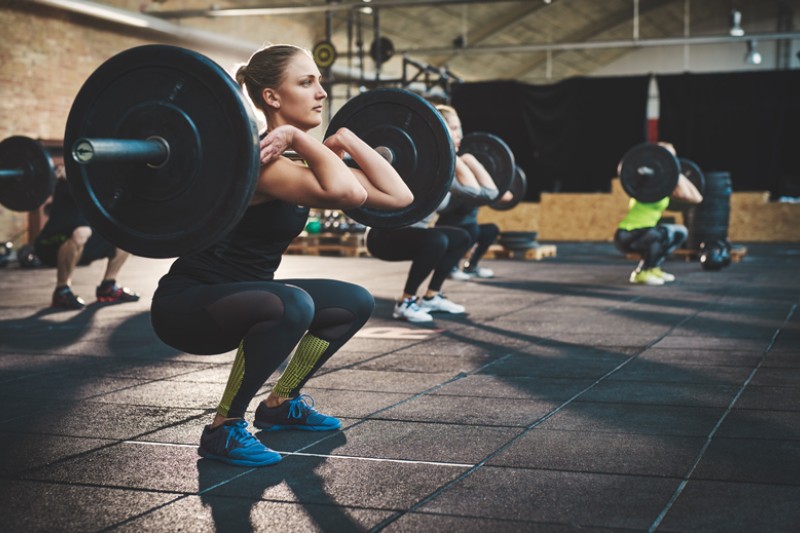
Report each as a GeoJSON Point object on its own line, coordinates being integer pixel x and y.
{"type": "Point", "coordinates": [434, 251]}
{"type": "Point", "coordinates": [225, 297]}
{"type": "Point", "coordinates": [640, 231]}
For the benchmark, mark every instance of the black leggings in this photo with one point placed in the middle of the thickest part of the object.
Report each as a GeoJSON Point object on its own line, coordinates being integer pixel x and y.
{"type": "Point", "coordinates": [435, 250]}
{"type": "Point", "coordinates": [265, 319]}
{"type": "Point", "coordinates": [482, 236]}
{"type": "Point", "coordinates": [654, 244]}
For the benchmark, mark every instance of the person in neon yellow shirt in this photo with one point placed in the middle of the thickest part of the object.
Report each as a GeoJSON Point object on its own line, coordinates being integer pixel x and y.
{"type": "Point", "coordinates": [640, 232]}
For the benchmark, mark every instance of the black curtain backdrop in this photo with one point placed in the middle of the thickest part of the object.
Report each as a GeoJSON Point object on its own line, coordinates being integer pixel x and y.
{"type": "Point", "coordinates": [745, 123]}
{"type": "Point", "coordinates": [567, 136]}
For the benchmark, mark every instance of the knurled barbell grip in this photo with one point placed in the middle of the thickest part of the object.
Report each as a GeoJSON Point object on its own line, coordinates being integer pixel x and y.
{"type": "Point", "coordinates": [153, 151]}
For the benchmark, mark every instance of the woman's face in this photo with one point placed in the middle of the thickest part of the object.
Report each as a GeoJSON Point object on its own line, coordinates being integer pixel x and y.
{"type": "Point", "coordinates": [454, 127]}
{"type": "Point", "coordinates": [300, 95]}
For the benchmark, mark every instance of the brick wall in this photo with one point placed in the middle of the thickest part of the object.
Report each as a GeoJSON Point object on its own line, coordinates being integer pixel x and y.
{"type": "Point", "coordinates": [46, 54]}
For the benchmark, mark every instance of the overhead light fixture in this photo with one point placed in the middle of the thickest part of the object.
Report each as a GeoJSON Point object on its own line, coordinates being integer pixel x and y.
{"type": "Point", "coordinates": [736, 24]}
{"type": "Point", "coordinates": [753, 56]}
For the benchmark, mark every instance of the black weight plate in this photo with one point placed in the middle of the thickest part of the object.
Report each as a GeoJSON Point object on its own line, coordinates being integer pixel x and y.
{"type": "Point", "coordinates": [26, 256]}
{"type": "Point", "coordinates": [494, 154]}
{"type": "Point", "coordinates": [417, 136]}
{"type": "Point", "coordinates": [648, 172]}
{"type": "Point", "coordinates": [692, 171]}
{"type": "Point", "coordinates": [202, 191]}
{"type": "Point", "coordinates": [387, 50]}
{"type": "Point", "coordinates": [519, 187]}
{"type": "Point", "coordinates": [28, 191]}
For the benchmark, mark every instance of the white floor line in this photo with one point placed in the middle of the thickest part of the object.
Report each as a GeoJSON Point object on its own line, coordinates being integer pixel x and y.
{"type": "Point", "coordinates": [324, 456]}
{"type": "Point", "coordinates": [380, 459]}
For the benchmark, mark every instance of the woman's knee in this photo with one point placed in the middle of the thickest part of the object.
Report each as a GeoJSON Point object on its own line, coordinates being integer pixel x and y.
{"type": "Point", "coordinates": [435, 243]}
{"type": "Point", "coordinates": [298, 307]}
{"type": "Point", "coordinates": [459, 239]}
{"type": "Point", "coordinates": [81, 235]}
{"type": "Point", "coordinates": [361, 301]}
{"type": "Point", "coordinates": [490, 229]}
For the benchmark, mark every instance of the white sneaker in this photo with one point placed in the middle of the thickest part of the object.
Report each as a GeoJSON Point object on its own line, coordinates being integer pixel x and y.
{"type": "Point", "coordinates": [440, 303]}
{"type": "Point", "coordinates": [481, 272]}
{"type": "Point", "coordinates": [459, 275]}
{"type": "Point", "coordinates": [409, 310]}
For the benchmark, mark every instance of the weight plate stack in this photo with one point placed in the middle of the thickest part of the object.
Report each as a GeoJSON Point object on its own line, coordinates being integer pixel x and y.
{"type": "Point", "coordinates": [709, 221]}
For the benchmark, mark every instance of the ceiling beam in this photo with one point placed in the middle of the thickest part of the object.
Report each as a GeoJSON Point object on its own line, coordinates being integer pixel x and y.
{"type": "Point", "coordinates": [499, 24]}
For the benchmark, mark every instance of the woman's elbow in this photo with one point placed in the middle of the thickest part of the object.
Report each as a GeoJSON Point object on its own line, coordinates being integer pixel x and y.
{"type": "Point", "coordinates": [398, 200]}
{"type": "Point", "coordinates": [406, 198]}
{"type": "Point", "coordinates": [470, 160]}
{"type": "Point", "coordinates": [353, 198]}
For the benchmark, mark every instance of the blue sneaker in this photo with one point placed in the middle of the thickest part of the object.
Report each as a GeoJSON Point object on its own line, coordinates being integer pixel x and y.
{"type": "Point", "coordinates": [231, 443]}
{"type": "Point", "coordinates": [298, 413]}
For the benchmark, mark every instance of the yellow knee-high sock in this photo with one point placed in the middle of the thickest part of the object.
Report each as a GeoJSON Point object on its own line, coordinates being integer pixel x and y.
{"type": "Point", "coordinates": [234, 382]}
{"type": "Point", "coordinates": [308, 352]}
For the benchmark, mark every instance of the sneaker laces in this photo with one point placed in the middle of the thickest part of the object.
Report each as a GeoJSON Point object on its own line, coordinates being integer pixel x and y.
{"type": "Point", "coordinates": [410, 303]}
{"type": "Point", "coordinates": [300, 406]}
{"type": "Point", "coordinates": [243, 438]}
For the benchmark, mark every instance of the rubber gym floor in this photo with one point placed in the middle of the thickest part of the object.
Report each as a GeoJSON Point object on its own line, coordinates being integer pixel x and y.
{"type": "Point", "coordinates": [565, 399]}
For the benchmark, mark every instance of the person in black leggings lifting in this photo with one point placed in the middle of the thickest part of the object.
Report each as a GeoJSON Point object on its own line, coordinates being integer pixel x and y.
{"type": "Point", "coordinates": [433, 251]}
{"type": "Point", "coordinates": [225, 297]}
{"type": "Point", "coordinates": [67, 241]}
{"type": "Point", "coordinates": [642, 232]}
{"type": "Point", "coordinates": [463, 213]}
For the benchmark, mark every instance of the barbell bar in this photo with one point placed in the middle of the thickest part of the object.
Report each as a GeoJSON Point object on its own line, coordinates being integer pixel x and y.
{"type": "Point", "coordinates": [165, 150]}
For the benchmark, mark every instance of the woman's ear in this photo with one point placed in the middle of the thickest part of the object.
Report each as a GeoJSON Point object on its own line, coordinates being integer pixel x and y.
{"type": "Point", "coordinates": [271, 98]}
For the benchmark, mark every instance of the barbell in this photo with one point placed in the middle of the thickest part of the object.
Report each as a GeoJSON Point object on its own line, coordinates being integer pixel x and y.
{"type": "Point", "coordinates": [27, 173]}
{"type": "Point", "coordinates": [649, 172]}
{"type": "Point", "coordinates": [163, 150]}
{"type": "Point", "coordinates": [498, 160]}
{"type": "Point", "coordinates": [518, 188]}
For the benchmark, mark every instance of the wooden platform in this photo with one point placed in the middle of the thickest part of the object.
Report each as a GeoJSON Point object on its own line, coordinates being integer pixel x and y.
{"type": "Point", "coordinates": [737, 254]}
{"type": "Point", "coordinates": [497, 251]}
{"type": "Point", "coordinates": [343, 244]}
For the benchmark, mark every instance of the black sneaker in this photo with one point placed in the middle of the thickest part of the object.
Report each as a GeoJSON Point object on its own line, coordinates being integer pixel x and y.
{"type": "Point", "coordinates": [113, 294]}
{"type": "Point", "coordinates": [298, 413]}
{"type": "Point", "coordinates": [231, 443]}
{"type": "Point", "coordinates": [64, 298]}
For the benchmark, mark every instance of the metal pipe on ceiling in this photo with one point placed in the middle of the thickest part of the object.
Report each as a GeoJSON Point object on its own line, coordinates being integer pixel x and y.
{"type": "Point", "coordinates": [214, 11]}
{"type": "Point", "coordinates": [589, 45]}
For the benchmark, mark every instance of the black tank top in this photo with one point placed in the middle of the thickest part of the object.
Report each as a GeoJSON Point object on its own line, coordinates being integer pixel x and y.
{"type": "Point", "coordinates": [64, 214]}
{"type": "Point", "coordinates": [251, 252]}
